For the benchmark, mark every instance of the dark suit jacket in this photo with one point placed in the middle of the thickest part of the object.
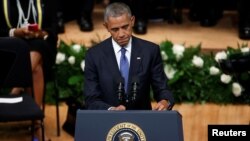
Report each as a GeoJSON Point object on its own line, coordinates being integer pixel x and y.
{"type": "Point", "coordinates": [102, 74]}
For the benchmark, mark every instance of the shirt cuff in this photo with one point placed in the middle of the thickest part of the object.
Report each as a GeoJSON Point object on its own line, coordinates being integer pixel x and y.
{"type": "Point", "coordinates": [111, 108]}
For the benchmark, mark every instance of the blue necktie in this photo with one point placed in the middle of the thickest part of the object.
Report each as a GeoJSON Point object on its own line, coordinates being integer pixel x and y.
{"type": "Point", "coordinates": [124, 67]}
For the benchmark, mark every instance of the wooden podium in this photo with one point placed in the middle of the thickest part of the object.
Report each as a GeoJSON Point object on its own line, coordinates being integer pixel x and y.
{"type": "Point", "coordinates": [104, 125]}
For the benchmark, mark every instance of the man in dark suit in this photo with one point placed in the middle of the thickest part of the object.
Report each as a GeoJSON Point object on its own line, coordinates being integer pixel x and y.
{"type": "Point", "coordinates": [83, 10]}
{"type": "Point", "coordinates": [102, 68]}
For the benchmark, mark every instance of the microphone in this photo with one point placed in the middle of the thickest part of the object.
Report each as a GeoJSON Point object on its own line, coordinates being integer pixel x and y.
{"type": "Point", "coordinates": [120, 90]}
{"type": "Point", "coordinates": [135, 83]}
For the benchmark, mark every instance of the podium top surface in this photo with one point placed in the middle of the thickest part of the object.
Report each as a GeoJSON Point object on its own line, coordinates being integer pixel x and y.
{"type": "Point", "coordinates": [126, 112]}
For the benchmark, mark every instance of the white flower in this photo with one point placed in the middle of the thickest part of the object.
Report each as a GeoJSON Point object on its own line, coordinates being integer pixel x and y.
{"type": "Point", "coordinates": [72, 60]}
{"type": "Point", "coordinates": [244, 49]}
{"type": "Point", "coordinates": [214, 70]}
{"type": "Point", "coordinates": [197, 61]}
{"type": "Point", "coordinates": [225, 78]}
{"type": "Point", "coordinates": [164, 55]}
{"type": "Point", "coordinates": [169, 71]}
{"type": "Point", "coordinates": [236, 89]}
{"type": "Point", "coordinates": [83, 65]}
{"type": "Point", "coordinates": [178, 50]}
{"type": "Point", "coordinates": [60, 57]}
{"type": "Point", "coordinates": [76, 48]}
{"type": "Point", "coordinates": [220, 55]}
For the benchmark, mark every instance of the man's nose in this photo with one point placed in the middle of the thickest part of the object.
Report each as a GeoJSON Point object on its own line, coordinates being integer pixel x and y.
{"type": "Point", "coordinates": [121, 33]}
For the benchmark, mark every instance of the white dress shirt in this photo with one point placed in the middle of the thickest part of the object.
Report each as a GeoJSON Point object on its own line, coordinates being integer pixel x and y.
{"type": "Point", "coordinates": [117, 49]}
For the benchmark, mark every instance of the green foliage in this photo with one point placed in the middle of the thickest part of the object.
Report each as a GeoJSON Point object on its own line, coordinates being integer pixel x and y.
{"type": "Point", "coordinates": [68, 72]}
{"type": "Point", "coordinates": [195, 84]}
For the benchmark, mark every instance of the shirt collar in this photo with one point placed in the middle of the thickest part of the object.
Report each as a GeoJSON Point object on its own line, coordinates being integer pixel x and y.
{"type": "Point", "coordinates": [117, 47]}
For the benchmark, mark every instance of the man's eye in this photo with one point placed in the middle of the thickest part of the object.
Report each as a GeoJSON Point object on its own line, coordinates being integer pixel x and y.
{"type": "Point", "coordinates": [125, 27]}
{"type": "Point", "coordinates": [114, 29]}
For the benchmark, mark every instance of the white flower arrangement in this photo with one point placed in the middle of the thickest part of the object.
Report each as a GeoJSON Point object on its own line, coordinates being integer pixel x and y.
{"type": "Point", "coordinates": [72, 60]}
{"type": "Point", "coordinates": [225, 78]}
{"type": "Point", "coordinates": [195, 76]}
{"type": "Point", "coordinates": [178, 51]}
{"type": "Point", "coordinates": [197, 61]}
{"type": "Point", "coordinates": [245, 50]}
{"type": "Point", "coordinates": [170, 72]}
{"type": "Point", "coordinates": [220, 55]}
{"type": "Point", "coordinates": [77, 48]}
{"type": "Point", "coordinates": [70, 70]}
{"type": "Point", "coordinates": [214, 70]}
{"type": "Point", "coordinates": [60, 57]}
{"type": "Point", "coordinates": [237, 89]}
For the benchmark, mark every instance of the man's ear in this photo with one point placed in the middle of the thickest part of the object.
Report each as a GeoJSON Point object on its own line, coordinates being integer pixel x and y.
{"type": "Point", "coordinates": [132, 20]}
{"type": "Point", "coordinates": [105, 25]}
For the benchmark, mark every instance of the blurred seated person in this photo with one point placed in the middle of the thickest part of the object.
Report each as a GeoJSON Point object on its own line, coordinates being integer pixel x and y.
{"type": "Point", "coordinates": [207, 12]}
{"type": "Point", "coordinates": [82, 13]}
{"type": "Point", "coordinates": [243, 19]}
{"type": "Point", "coordinates": [32, 22]}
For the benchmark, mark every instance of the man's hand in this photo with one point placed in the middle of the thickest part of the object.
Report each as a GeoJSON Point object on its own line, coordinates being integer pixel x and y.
{"type": "Point", "coordinates": [118, 108]}
{"type": "Point", "coordinates": [161, 105]}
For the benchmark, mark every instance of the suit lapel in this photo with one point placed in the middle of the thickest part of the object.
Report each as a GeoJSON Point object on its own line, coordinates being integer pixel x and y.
{"type": "Point", "coordinates": [109, 56]}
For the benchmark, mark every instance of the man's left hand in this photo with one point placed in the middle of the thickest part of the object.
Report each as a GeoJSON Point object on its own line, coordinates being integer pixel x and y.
{"type": "Point", "coordinates": [161, 105]}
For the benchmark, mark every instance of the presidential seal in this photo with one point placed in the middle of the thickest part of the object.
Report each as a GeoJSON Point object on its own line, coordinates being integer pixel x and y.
{"type": "Point", "coordinates": [126, 132]}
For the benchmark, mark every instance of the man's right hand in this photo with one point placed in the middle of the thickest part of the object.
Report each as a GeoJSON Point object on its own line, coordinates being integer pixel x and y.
{"type": "Point", "coordinates": [118, 108]}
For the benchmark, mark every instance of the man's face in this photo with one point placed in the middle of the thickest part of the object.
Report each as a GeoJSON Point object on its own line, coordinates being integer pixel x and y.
{"type": "Point", "coordinates": [120, 28]}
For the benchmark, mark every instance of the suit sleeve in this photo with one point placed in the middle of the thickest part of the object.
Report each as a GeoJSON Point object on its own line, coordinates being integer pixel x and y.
{"type": "Point", "coordinates": [92, 91]}
{"type": "Point", "coordinates": [159, 78]}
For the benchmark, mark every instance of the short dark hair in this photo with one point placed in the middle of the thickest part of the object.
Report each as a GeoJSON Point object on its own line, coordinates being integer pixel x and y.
{"type": "Point", "coordinates": [116, 9]}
